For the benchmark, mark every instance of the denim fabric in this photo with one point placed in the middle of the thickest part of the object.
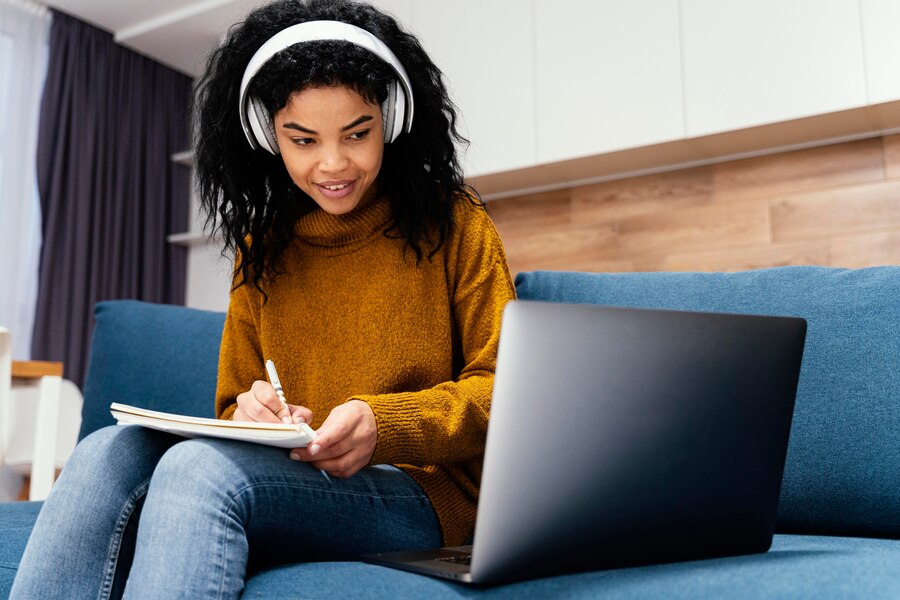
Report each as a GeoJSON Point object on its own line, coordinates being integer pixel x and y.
{"type": "Point", "coordinates": [151, 355]}
{"type": "Point", "coordinates": [843, 468]}
{"type": "Point", "coordinates": [209, 511]}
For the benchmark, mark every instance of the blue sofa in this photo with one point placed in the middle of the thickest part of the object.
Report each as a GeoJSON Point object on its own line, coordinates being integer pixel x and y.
{"type": "Point", "coordinates": [838, 532]}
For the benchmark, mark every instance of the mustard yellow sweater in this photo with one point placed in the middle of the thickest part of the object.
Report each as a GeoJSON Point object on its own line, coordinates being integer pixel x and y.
{"type": "Point", "coordinates": [353, 316]}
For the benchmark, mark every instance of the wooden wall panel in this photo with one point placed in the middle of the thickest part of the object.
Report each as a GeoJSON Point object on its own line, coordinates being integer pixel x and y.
{"type": "Point", "coordinates": [836, 205]}
{"type": "Point", "coordinates": [860, 209]}
{"type": "Point", "coordinates": [696, 227]}
{"type": "Point", "coordinates": [550, 210]}
{"type": "Point", "coordinates": [555, 248]}
{"type": "Point", "coordinates": [648, 195]}
{"type": "Point", "coordinates": [892, 156]}
{"type": "Point", "coordinates": [801, 170]}
{"type": "Point", "coordinates": [865, 250]}
{"type": "Point", "coordinates": [741, 258]}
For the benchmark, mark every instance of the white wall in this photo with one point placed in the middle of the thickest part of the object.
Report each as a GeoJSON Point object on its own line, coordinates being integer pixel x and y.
{"type": "Point", "coordinates": [580, 83]}
{"type": "Point", "coordinates": [542, 81]}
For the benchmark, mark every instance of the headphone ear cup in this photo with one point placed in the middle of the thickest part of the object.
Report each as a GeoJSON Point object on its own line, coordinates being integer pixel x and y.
{"type": "Point", "coordinates": [388, 115]}
{"type": "Point", "coordinates": [262, 126]}
{"type": "Point", "coordinates": [399, 110]}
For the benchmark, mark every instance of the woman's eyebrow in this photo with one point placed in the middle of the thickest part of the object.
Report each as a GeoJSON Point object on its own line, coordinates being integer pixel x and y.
{"type": "Point", "coordinates": [300, 128]}
{"type": "Point", "coordinates": [359, 121]}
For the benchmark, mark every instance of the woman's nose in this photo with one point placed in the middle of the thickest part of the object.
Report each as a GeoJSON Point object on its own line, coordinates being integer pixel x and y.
{"type": "Point", "coordinates": [333, 159]}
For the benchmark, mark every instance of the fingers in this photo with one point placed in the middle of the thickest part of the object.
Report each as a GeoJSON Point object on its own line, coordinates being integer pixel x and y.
{"type": "Point", "coordinates": [262, 404]}
{"type": "Point", "coordinates": [284, 414]}
{"type": "Point", "coordinates": [348, 426]}
{"type": "Point", "coordinates": [342, 459]}
{"type": "Point", "coordinates": [240, 415]}
{"type": "Point", "coordinates": [300, 414]}
{"type": "Point", "coordinates": [344, 466]}
{"type": "Point", "coordinates": [345, 442]}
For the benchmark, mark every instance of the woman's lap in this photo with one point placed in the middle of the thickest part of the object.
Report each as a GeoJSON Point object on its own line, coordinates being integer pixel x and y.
{"type": "Point", "coordinates": [208, 501]}
{"type": "Point", "coordinates": [310, 514]}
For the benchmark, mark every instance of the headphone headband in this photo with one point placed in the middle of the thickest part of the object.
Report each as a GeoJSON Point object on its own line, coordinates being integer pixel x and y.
{"type": "Point", "coordinates": [313, 31]}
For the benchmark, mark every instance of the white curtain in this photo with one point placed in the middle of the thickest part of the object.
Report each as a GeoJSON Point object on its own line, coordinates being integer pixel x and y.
{"type": "Point", "coordinates": [24, 32]}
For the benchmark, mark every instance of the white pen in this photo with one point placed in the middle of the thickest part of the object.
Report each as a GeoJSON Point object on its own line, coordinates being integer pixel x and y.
{"type": "Point", "coordinates": [276, 383]}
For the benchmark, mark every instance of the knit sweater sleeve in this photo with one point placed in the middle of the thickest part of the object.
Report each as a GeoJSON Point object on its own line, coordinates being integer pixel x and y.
{"type": "Point", "coordinates": [448, 422]}
{"type": "Point", "coordinates": [240, 356]}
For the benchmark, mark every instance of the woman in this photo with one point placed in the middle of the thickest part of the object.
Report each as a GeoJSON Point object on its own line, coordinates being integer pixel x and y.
{"type": "Point", "coordinates": [372, 277]}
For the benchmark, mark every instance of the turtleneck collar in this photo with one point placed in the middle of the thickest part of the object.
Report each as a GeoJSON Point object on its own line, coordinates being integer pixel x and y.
{"type": "Point", "coordinates": [343, 232]}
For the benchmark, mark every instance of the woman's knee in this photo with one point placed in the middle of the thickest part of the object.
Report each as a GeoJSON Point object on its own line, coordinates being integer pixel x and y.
{"type": "Point", "coordinates": [194, 466]}
{"type": "Point", "coordinates": [222, 472]}
{"type": "Point", "coordinates": [128, 448]}
{"type": "Point", "coordinates": [114, 458]}
{"type": "Point", "coordinates": [106, 438]}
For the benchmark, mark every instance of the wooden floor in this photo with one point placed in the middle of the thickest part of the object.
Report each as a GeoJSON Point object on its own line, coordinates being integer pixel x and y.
{"type": "Point", "coordinates": [836, 205]}
{"type": "Point", "coordinates": [23, 493]}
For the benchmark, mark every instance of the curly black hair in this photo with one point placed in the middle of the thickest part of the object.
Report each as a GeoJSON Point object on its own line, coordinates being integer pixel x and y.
{"type": "Point", "coordinates": [248, 195]}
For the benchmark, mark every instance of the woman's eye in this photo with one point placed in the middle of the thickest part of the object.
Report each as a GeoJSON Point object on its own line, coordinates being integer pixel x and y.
{"type": "Point", "coordinates": [359, 135]}
{"type": "Point", "coordinates": [302, 141]}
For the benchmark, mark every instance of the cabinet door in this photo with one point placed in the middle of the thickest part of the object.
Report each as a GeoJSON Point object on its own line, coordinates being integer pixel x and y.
{"type": "Point", "coordinates": [485, 52]}
{"type": "Point", "coordinates": [750, 63]}
{"type": "Point", "coordinates": [608, 76]}
{"type": "Point", "coordinates": [881, 36]}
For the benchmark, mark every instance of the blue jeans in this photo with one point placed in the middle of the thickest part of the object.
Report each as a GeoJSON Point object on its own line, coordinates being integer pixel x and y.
{"type": "Point", "coordinates": [209, 512]}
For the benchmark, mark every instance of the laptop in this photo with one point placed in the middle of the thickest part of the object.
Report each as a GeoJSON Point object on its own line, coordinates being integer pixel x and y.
{"type": "Point", "coordinates": [622, 437]}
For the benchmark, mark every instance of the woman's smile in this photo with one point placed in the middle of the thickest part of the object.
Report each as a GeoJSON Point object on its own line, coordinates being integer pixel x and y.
{"type": "Point", "coordinates": [332, 142]}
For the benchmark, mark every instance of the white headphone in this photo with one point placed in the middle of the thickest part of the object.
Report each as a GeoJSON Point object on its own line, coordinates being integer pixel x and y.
{"type": "Point", "coordinates": [397, 109]}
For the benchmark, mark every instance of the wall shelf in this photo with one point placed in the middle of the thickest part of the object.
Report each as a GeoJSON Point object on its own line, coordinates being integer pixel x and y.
{"type": "Point", "coordinates": [185, 158]}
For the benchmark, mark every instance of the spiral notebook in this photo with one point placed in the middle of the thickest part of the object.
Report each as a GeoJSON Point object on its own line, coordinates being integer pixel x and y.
{"type": "Point", "coordinates": [269, 434]}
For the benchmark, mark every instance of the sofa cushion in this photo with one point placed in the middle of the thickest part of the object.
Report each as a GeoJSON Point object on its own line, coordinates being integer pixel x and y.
{"type": "Point", "coordinates": [818, 568]}
{"type": "Point", "coordinates": [156, 356]}
{"type": "Point", "coordinates": [16, 521]}
{"type": "Point", "coordinates": [796, 567]}
{"type": "Point", "coordinates": [842, 474]}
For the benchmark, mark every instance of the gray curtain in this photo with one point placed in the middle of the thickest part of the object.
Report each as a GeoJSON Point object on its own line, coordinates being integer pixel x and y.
{"type": "Point", "coordinates": [110, 120]}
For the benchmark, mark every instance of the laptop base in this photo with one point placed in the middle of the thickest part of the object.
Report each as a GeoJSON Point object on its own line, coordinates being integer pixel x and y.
{"type": "Point", "coordinates": [447, 563]}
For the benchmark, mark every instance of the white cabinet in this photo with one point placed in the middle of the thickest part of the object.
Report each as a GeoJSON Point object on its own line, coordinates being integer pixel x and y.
{"type": "Point", "coordinates": [750, 63]}
{"type": "Point", "coordinates": [881, 36]}
{"type": "Point", "coordinates": [608, 76]}
{"type": "Point", "coordinates": [485, 52]}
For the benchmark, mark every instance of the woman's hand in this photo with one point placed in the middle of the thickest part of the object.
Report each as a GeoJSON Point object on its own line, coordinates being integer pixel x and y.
{"type": "Point", "coordinates": [261, 403]}
{"type": "Point", "coordinates": [345, 442]}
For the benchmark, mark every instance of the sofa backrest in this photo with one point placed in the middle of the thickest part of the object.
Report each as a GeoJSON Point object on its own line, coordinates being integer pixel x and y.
{"type": "Point", "coordinates": [156, 356]}
{"type": "Point", "coordinates": [842, 475]}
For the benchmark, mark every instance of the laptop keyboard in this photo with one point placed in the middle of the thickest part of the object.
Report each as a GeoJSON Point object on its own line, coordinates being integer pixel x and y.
{"type": "Point", "coordinates": [457, 560]}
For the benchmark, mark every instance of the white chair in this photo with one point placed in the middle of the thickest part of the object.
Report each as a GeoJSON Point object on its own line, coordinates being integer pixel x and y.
{"type": "Point", "coordinates": [10, 480]}
{"type": "Point", "coordinates": [40, 414]}
{"type": "Point", "coordinates": [46, 429]}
